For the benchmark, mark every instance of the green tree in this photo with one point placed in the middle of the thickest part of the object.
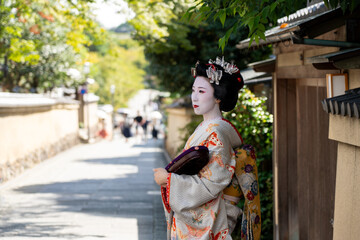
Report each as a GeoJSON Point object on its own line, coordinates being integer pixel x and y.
{"type": "Point", "coordinates": [41, 40]}
{"type": "Point", "coordinates": [120, 62]}
{"type": "Point", "coordinates": [255, 15]}
{"type": "Point", "coordinates": [173, 47]}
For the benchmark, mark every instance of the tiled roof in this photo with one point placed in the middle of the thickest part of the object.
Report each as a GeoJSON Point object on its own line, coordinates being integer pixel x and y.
{"type": "Point", "coordinates": [347, 104]}
{"type": "Point", "coordinates": [306, 18]}
{"type": "Point", "coordinates": [335, 56]}
{"type": "Point", "coordinates": [304, 13]}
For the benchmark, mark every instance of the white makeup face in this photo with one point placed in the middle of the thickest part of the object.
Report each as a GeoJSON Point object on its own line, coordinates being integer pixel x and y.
{"type": "Point", "coordinates": [202, 98]}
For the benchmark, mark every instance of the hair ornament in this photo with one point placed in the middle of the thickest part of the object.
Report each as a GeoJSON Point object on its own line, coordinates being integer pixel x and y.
{"type": "Point", "coordinates": [229, 68]}
{"type": "Point", "coordinates": [197, 63]}
{"type": "Point", "coordinates": [193, 70]}
{"type": "Point", "coordinates": [213, 74]}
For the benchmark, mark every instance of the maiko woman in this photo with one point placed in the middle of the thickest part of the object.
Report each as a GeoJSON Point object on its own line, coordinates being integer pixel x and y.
{"type": "Point", "coordinates": [195, 205]}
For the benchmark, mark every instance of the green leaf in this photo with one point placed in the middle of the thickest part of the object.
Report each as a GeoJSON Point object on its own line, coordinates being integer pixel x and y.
{"type": "Point", "coordinates": [216, 15]}
{"type": "Point", "coordinates": [261, 35]}
{"type": "Point", "coordinates": [273, 6]}
{"type": "Point", "coordinates": [251, 40]}
{"type": "Point", "coordinates": [222, 43]}
{"type": "Point", "coordinates": [256, 21]}
{"type": "Point", "coordinates": [264, 20]}
{"type": "Point", "coordinates": [223, 17]}
{"type": "Point", "coordinates": [326, 2]}
{"type": "Point", "coordinates": [265, 12]}
{"type": "Point", "coordinates": [204, 9]}
{"type": "Point", "coordinates": [228, 32]}
{"type": "Point", "coordinates": [201, 17]}
{"type": "Point", "coordinates": [251, 25]}
{"type": "Point", "coordinates": [261, 27]}
{"type": "Point", "coordinates": [188, 14]}
{"type": "Point", "coordinates": [245, 22]}
{"type": "Point", "coordinates": [225, 39]}
{"type": "Point", "coordinates": [191, 9]}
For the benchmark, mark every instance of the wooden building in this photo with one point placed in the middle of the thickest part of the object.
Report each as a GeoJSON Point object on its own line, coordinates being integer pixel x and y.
{"type": "Point", "coordinates": [311, 182]}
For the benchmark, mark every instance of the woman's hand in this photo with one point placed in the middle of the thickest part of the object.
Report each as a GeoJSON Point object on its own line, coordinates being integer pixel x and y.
{"type": "Point", "coordinates": [160, 176]}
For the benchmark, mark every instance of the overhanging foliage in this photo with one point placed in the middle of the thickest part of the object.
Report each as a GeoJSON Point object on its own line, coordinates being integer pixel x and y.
{"type": "Point", "coordinates": [172, 47]}
{"type": "Point", "coordinates": [254, 15]}
{"type": "Point", "coordinates": [41, 40]}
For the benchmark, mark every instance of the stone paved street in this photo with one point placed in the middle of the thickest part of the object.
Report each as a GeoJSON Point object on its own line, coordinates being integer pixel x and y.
{"type": "Point", "coordinates": [103, 190]}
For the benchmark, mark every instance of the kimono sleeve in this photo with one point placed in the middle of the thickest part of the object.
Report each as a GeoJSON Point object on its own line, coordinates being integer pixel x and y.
{"type": "Point", "coordinates": [187, 192]}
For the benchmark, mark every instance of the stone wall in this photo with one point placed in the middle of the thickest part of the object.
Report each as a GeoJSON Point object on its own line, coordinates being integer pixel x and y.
{"type": "Point", "coordinates": [34, 128]}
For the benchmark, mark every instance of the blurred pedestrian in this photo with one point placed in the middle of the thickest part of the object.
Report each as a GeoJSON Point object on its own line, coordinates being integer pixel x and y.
{"type": "Point", "coordinates": [154, 131]}
{"type": "Point", "coordinates": [103, 132]}
{"type": "Point", "coordinates": [144, 124]}
{"type": "Point", "coordinates": [138, 120]}
{"type": "Point", "coordinates": [125, 127]}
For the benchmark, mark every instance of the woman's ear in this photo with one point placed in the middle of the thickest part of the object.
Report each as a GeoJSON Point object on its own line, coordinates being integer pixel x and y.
{"type": "Point", "coordinates": [217, 101]}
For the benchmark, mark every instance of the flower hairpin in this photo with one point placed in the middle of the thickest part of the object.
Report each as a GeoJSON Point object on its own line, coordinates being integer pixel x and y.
{"type": "Point", "coordinates": [214, 74]}
{"type": "Point", "coordinates": [229, 68]}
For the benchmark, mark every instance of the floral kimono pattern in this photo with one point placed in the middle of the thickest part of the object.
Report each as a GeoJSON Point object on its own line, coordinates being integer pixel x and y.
{"type": "Point", "coordinates": [244, 186]}
{"type": "Point", "coordinates": [195, 206]}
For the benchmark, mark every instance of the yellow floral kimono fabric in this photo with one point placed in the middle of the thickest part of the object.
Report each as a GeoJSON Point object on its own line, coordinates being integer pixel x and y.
{"type": "Point", "coordinates": [196, 206]}
{"type": "Point", "coordinates": [245, 186]}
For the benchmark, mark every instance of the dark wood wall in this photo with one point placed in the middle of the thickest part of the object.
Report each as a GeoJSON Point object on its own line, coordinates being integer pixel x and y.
{"type": "Point", "coordinates": [304, 161]}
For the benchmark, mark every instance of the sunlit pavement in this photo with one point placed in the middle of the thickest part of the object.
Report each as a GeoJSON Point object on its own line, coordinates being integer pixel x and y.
{"type": "Point", "coordinates": [103, 190]}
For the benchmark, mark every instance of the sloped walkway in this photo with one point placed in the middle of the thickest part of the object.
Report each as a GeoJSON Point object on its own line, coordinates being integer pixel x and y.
{"type": "Point", "coordinates": [103, 190]}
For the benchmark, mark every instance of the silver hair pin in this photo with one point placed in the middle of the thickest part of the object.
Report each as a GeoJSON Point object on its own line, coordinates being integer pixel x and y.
{"type": "Point", "coordinates": [214, 75]}
{"type": "Point", "coordinates": [229, 68]}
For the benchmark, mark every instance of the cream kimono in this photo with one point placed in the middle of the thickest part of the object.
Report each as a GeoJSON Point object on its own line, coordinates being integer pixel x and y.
{"type": "Point", "coordinates": [195, 207]}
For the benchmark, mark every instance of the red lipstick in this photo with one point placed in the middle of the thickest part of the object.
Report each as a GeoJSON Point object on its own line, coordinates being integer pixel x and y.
{"type": "Point", "coordinates": [196, 106]}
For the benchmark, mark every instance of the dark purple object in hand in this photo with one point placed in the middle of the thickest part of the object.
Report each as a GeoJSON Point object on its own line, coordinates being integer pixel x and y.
{"type": "Point", "coordinates": [189, 162]}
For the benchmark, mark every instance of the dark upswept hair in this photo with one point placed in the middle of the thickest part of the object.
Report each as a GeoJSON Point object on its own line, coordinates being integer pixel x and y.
{"type": "Point", "coordinates": [229, 85]}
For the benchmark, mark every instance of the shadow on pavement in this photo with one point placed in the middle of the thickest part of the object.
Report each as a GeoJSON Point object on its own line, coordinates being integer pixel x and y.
{"type": "Point", "coordinates": [31, 230]}
{"type": "Point", "coordinates": [129, 194]}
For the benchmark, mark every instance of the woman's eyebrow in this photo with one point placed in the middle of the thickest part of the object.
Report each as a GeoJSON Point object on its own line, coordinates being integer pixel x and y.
{"type": "Point", "coordinates": [199, 87]}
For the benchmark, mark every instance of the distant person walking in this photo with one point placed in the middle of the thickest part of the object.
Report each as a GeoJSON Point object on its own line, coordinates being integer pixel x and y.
{"type": "Point", "coordinates": [155, 131]}
{"type": "Point", "coordinates": [125, 127]}
{"type": "Point", "coordinates": [144, 125]}
{"type": "Point", "coordinates": [140, 126]}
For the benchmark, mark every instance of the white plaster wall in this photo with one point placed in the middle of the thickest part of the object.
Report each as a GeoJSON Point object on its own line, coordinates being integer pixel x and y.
{"type": "Point", "coordinates": [177, 119]}
{"type": "Point", "coordinates": [347, 194]}
{"type": "Point", "coordinates": [22, 132]}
